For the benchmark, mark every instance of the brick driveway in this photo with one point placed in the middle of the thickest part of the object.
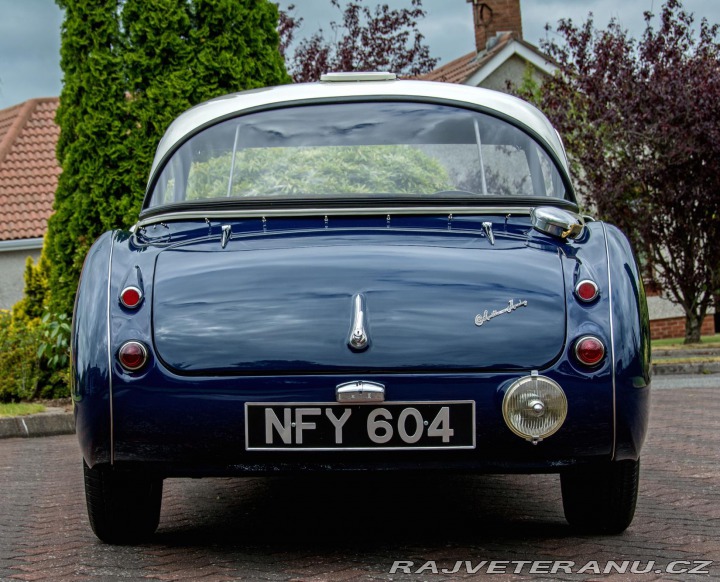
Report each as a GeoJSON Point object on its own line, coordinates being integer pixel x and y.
{"type": "Point", "coordinates": [354, 529]}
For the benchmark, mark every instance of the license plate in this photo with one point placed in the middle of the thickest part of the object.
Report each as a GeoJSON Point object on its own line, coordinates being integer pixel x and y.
{"type": "Point", "coordinates": [334, 426]}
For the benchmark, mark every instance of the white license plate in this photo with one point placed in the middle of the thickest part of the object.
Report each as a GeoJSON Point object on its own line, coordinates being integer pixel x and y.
{"type": "Point", "coordinates": [328, 426]}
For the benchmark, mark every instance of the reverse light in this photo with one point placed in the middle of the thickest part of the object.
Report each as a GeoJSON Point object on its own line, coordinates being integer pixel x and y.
{"type": "Point", "coordinates": [131, 297]}
{"type": "Point", "coordinates": [589, 350]}
{"type": "Point", "coordinates": [534, 407]}
{"type": "Point", "coordinates": [132, 355]}
{"type": "Point", "coordinates": [586, 291]}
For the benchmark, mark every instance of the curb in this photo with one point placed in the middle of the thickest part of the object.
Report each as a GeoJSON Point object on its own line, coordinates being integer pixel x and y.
{"type": "Point", "coordinates": [698, 368]}
{"type": "Point", "coordinates": [54, 421]}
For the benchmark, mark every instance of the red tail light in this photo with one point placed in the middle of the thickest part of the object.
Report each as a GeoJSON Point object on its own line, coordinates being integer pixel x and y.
{"type": "Point", "coordinates": [589, 350]}
{"type": "Point", "coordinates": [586, 291]}
{"type": "Point", "coordinates": [132, 355]}
{"type": "Point", "coordinates": [131, 297]}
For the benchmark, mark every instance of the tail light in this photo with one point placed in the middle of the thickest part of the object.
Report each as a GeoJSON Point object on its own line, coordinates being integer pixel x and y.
{"type": "Point", "coordinates": [586, 291]}
{"type": "Point", "coordinates": [131, 297]}
{"type": "Point", "coordinates": [132, 356]}
{"type": "Point", "coordinates": [589, 350]}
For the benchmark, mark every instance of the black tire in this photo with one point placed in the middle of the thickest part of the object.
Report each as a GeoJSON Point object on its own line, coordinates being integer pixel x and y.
{"type": "Point", "coordinates": [124, 508]}
{"type": "Point", "coordinates": [601, 498]}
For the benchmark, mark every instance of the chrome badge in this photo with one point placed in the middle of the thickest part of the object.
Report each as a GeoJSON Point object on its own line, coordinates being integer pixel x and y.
{"type": "Point", "coordinates": [486, 316]}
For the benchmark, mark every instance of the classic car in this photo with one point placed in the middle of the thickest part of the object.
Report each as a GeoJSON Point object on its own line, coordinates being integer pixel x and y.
{"type": "Point", "coordinates": [359, 274]}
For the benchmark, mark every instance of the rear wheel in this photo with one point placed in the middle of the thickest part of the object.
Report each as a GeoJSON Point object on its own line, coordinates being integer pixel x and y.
{"type": "Point", "coordinates": [601, 498]}
{"type": "Point", "coordinates": [123, 508]}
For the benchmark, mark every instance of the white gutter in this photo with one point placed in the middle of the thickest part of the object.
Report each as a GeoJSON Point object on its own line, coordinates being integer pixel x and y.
{"type": "Point", "coordinates": [23, 244]}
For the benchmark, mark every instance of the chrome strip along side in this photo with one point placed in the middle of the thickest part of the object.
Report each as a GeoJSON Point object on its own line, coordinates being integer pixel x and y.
{"type": "Point", "coordinates": [110, 362]}
{"type": "Point", "coordinates": [612, 345]}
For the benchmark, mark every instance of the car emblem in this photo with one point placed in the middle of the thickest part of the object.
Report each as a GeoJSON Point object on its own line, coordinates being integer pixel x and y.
{"type": "Point", "coordinates": [486, 316]}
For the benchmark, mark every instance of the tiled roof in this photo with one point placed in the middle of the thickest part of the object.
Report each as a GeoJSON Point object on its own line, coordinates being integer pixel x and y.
{"type": "Point", "coordinates": [460, 70]}
{"type": "Point", "coordinates": [28, 168]}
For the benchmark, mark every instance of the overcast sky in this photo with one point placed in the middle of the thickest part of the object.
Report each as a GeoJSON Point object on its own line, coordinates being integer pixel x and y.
{"type": "Point", "coordinates": [30, 32]}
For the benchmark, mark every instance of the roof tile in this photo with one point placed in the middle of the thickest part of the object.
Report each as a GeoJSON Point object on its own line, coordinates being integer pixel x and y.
{"type": "Point", "coordinates": [28, 168]}
{"type": "Point", "coordinates": [460, 70]}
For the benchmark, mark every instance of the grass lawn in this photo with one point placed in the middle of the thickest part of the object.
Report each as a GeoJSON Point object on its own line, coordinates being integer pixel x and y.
{"type": "Point", "coordinates": [20, 409]}
{"type": "Point", "coordinates": [708, 341]}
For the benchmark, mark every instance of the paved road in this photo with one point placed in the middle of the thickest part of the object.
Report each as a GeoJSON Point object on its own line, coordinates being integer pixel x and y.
{"type": "Point", "coordinates": [355, 529]}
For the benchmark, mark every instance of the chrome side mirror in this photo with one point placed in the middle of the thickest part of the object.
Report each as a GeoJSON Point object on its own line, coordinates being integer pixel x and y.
{"type": "Point", "coordinates": [556, 222]}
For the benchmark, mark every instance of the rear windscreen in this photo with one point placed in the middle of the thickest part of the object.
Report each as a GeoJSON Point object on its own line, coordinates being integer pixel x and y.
{"type": "Point", "coordinates": [358, 150]}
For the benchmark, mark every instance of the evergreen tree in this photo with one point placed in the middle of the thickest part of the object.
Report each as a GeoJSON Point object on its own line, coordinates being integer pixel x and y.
{"type": "Point", "coordinates": [92, 118]}
{"type": "Point", "coordinates": [130, 67]}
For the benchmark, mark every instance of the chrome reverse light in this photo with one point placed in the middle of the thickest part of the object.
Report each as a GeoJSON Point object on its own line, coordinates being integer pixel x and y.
{"type": "Point", "coordinates": [534, 407]}
{"type": "Point", "coordinates": [131, 297]}
{"type": "Point", "coordinates": [133, 356]}
{"type": "Point", "coordinates": [589, 350]}
{"type": "Point", "coordinates": [586, 291]}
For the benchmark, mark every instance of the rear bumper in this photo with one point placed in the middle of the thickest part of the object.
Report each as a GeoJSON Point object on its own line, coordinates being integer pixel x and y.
{"type": "Point", "coordinates": [196, 426]}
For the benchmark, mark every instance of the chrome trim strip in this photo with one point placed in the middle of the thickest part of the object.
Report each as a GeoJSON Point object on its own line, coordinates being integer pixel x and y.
{"type": "Point", "coordinates": [612, 346]}
{"type": "Point", "coordinates": [320, 212]}
{"type": "Point", "coordinates": [109, 348]}
{"type": "Point", "coordinates": [285, 450]}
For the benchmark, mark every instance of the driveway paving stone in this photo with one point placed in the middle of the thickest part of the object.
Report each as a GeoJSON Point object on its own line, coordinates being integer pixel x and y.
{"type": "Point", "coordinates": [356, 527]}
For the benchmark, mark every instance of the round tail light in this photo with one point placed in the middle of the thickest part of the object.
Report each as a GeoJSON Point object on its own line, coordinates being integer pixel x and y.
{"type": "Point", "coordinates": [131, 297]}
{"type": "Point", "coordinates": [132, 355]}
{"type": "Point", "coordinates": [586, 291]}
{"type": "Point", "coordinates": [589, 350]}
{"type": "Point", "coordinates": [534, 407]}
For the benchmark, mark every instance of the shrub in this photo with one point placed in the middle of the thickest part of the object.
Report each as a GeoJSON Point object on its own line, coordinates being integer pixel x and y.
{"type": "Point", "coordinates": [19, 366]}
{"type": "Point", "coordinates": [34, 356]}
{"type": "Point", "coordinates": [54, 356]}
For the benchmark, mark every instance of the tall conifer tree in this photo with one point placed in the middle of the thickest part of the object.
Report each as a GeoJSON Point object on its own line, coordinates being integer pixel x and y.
{"type": "Point", "coordinates": [130, 67]}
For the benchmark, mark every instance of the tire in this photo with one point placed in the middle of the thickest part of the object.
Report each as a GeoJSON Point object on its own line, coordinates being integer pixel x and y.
{"type": "Point", "coordinates": [124, 508]}
{"type": "Point", "coordinates": [601, 498]}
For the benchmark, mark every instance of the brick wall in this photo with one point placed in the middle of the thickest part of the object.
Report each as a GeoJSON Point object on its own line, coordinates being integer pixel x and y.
{"type": "Point", "coordinates": [493, 16]}
{"type": "Point", "coordinates": [675, 327]}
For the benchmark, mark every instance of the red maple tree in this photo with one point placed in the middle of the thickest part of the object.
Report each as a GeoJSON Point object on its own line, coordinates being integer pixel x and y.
{"type": "Point", "coordinates": [365, 39]}
{"type": "Point", "coordinates": [641, 120]}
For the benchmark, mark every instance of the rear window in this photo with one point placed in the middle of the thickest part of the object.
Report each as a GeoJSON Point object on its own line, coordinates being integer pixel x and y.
{"type": "Point", "coordinates": [355, 151]}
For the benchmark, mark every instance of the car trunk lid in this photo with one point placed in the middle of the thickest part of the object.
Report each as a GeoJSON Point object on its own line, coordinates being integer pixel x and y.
{"type": "Point", "coordinates": [287, 304]}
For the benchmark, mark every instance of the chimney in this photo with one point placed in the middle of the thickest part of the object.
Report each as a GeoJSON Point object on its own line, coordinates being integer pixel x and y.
{"type": "Point", "coordinates": [494, 16]}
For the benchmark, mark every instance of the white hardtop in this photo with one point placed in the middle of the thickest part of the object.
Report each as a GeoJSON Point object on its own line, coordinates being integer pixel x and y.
{"type": "Point", "coordinates": [220, 108]}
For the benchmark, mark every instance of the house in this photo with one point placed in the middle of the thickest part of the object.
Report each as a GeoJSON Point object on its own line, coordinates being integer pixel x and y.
{"type": "Point", "coordinates": [28, 179]}
{"type": "Point", "coordinates": [501, 55]}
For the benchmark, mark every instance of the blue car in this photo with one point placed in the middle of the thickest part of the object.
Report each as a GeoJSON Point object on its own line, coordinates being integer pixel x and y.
{"type": "Point", "coordinates": [360, 274]}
